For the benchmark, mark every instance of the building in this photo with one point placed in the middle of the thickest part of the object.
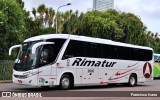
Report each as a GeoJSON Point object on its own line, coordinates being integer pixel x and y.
{"type": "Point", "coordinates": [103, 5]}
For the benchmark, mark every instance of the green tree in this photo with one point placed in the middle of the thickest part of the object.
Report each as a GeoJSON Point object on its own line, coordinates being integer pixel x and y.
{"type": "Point", "coordinates": [46, 17]}
{"type": "Point", "coordinates": [111, 24]}
{"type": "Point", "coordinates": [34, 13]}
{"type": "Point", "coordinates": [41, 10]}
{"type": "Point", "coordinates": [51, 16]}
{"type": "Point", "coordinates": [12, 25]}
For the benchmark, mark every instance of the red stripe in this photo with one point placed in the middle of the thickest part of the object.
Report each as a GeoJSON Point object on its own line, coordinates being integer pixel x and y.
{"type": "Point", "coordinates": [117, 74]}
{"type": "Point", "coordinates": [108, 82]}
{"type": "Point", "coordinates": [53, 78]}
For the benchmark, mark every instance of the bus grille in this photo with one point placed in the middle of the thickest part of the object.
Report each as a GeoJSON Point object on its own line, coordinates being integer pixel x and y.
{"type": "Point", "coordinates": [20, 76]}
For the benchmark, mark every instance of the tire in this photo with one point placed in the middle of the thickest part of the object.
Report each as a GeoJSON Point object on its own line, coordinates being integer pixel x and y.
{"type": "Point", "coordinates": [65, 82]}
{"type": "Point", "coordinates": [132, 80]}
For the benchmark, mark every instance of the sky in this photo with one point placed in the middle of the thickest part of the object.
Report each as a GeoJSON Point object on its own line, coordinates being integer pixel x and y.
{"type": "Point", "coordinates": [147, 10]}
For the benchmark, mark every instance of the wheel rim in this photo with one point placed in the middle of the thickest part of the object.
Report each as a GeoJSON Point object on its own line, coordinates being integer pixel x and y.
{"type": "Point", "coordinates": [132, 80]}
{"type": "Point", "coordinates": [65, 82]}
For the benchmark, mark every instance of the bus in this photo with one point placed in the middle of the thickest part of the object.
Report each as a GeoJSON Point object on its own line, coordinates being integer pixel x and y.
{"type": "Point", "coordinates": [70, 60]}
{"type": "Point", "coordinates": [156, 65]}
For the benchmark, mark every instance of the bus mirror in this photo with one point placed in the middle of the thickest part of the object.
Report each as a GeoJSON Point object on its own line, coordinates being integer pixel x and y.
{"type": "Point", "coordinates": [13, 47]}
{"type": "Point", "coordinates": [39, 44]}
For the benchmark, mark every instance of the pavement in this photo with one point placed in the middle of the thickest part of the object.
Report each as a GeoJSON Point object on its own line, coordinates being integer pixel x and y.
{"type": "Point", "coordinates": [81, 92]}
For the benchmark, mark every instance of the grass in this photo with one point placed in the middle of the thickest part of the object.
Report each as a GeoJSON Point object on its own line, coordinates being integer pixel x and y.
{"type": "Point", "coordinates": [6, 67]}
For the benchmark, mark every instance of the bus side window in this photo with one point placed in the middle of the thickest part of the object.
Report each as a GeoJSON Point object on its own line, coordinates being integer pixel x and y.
{"type": "Point", "coordinates": [109, 51]}
{"type": "Point", "coordinates": [74, 49]}
{"type": "Point", "coordinates": [123, 53]}
{"type": "Point", "coordinates": [147, 55]}
{"type": "Point", "coordinates": [46, 55]}
{"type": "Point", "coordinates": [93, 50]}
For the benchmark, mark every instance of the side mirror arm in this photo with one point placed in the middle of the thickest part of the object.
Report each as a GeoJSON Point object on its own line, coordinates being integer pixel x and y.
{"type": "Point", "coordinates": [39, 44]}
{"type": "Point", "coordinates": [13, 47]}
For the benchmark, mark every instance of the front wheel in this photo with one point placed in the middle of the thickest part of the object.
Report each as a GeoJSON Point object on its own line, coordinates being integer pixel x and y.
{"type": "Point", "coordinates": [65, 82]}
{"type": "Point", "coordinates": [132, 80]}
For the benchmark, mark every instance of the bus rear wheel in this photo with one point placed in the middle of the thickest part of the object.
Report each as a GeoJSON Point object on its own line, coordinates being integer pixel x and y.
{"type": "Point", "coordinates": [132, 80]}
{"type": "Point", "coordinates": [65, 82]}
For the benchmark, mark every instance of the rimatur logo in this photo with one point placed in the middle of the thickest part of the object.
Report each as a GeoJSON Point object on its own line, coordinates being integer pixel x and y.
{"type": "Point", "coordinates": [147, 70]}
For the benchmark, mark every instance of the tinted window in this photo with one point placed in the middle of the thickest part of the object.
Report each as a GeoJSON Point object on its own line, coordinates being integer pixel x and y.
{"type": "Point", "coordinates": [126, 53]}
{"type": "Point", "coordinates": [93, 50]}
{"type": "Point", "coordinates": [146, 55]}
{"type": "Point", "coordinates": [58, 43]}
{"type": "Point", "coordinates": [47, 55]}
{"type": "Point", "coordinates": [156, 58]}
{"type": "Point", "coordinates": [135, 54]}
{"type": "Point", "coordinates": [96, 50]}
{"type": "Point", "coordinates": [74, 49]}
{"type": "Point", "coordinates": [50, 52]}
{"type": "Point", "coordinates": [141, 54]}
{"type": "Point", "coordinates": [123, 53]}
{"type": "Point", "coordinates": [109, 51]}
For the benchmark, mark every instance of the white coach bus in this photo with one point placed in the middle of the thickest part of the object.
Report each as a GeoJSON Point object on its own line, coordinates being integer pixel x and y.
{"type": "Point", "coordinates": [68, 60]}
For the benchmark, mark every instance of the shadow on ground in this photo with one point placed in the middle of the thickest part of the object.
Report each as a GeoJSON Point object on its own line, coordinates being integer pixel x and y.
{"type": "Point", "coordinates": [40, 89]}
{"type": "Point", "coordinates": [157, 78]}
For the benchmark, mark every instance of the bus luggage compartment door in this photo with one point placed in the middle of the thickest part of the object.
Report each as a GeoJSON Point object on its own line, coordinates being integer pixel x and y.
{"type": "Point", "coordinates": [44, 76]}
{"type": "Point", "coordinates": [90, 76]}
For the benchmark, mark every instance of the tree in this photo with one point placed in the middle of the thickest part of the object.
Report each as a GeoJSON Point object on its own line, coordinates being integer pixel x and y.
{"type": "Point", "coordinates": [12, 25]}
{"type": "Point", "coordinates": [51, 16]}
{"type": "Point", "coordinates": [111, 24]}
{"type": "Point", "coordinates": [76, 13]}
{"type": "Point", "coordinates": [34, 13]}
{"type": "Point", "coordinates": [46, 17]}
{"type": "Point", "coordinates": [41, 10]}
{"type": "Point", "coordinates": [59, 21]}
{"type": "Point", "coordinates": [21, 3]}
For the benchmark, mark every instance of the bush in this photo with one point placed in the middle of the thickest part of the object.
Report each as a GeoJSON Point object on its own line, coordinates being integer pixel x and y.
{"type": "Point", "coordinates": [6, 67]}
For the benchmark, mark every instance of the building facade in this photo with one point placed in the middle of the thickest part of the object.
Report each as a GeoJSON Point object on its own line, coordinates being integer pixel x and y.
{"type": "Point", "coordinates": [103, 5]}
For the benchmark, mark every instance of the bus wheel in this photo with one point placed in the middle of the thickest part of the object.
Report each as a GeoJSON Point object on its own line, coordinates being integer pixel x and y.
{"type": "Point", "coordinates": [65, 82]}
{"type": "Point", "coordinates": [132, 80]}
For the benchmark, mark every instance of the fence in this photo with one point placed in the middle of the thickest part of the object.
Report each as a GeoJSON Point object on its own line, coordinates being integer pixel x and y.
{"type": "Point", "coordinates": [6, 67]}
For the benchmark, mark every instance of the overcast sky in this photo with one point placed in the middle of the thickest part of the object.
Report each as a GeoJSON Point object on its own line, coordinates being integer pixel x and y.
{"type": "Point", "coordinates": [148, 10]}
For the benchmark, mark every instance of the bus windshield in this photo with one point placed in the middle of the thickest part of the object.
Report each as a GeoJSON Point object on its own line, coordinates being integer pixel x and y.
{"type": "Point", "coordinates": [156, 58]}
{"type": "Point", "coordinates": [25, 60]}
{"type": "Point", "coordinates": [45, 54]}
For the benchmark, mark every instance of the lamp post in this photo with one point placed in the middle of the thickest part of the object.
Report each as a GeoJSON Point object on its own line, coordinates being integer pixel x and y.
{"type": "Point", "coordinates": [57, 16]}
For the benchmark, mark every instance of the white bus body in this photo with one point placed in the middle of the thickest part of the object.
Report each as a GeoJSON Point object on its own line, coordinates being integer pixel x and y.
{"type": "Point", "coordinates": [69, 60]}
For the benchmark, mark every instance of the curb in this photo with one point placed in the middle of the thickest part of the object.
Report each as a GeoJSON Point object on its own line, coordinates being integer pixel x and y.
{"type": "Point", "coordinates": [5, 81]}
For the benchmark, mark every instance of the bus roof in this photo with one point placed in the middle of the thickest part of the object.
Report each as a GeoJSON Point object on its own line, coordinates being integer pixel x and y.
{"type": "Point", "coordinates": [46, 36]}
{"type": "Point", "coordinates": [83, 38]}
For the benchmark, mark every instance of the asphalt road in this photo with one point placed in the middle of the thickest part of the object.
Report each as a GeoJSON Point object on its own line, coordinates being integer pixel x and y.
{"type": "Point", "coordinates": [146, 86]}
{"type": "Point", "coordinates": [91, 92]}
